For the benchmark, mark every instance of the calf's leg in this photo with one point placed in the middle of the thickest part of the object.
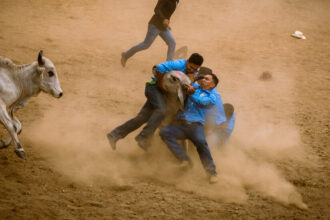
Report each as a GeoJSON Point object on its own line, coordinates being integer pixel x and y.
{"type": "Point", "coordinates": [10, 126]}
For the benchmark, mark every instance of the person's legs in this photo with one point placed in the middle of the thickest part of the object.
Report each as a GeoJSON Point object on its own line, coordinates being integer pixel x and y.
{"type": "Point", "coordinates": [131, 125]}
{"type": "Point", "coordinates": [151, 35]}
{"type": "Point", "coordinates": [170, 41]}
{"type": "Point", "coordinates": [197, 136]}
{"type": "Point", "coordinates": [157, 102]}
{"type": "Point", "coordinates": [170, 135]}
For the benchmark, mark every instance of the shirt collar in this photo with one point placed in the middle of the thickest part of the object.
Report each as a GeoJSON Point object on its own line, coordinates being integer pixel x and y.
{"type": "Point", "coordinates": [214, 90]}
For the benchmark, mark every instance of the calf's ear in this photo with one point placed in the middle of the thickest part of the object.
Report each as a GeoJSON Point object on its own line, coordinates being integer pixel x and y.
{"type": "Point", "coordinates": [40, 60]}
{"type": "Point", "coordinates": [181, 98]}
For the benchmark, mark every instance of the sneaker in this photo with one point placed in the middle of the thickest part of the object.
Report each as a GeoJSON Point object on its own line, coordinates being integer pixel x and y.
{"type": "Point", "coordinates": [112, 140]}
{"type": "Point", "coordinates": [143, 142]}
{"type": "Point", "coordinates": [123, 59]}
{"type": "Point", "coordinates": [213, 179]}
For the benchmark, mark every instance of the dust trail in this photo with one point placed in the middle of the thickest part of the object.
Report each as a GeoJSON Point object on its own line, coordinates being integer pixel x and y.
{"type": "Point", "coordinates": [75, 143]}
{"type": "Point", "coordinates": [71, 135]}
{"type": "Point", "coordinates": [265, 136]}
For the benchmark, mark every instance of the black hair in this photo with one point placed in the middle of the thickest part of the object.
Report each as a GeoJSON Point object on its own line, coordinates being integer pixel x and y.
{"type": "Point", "coordinates": [229, 110]}
{"type": "Point", "coordinates": [207, 71]}
{"type": "Point", "coordinates": [204, 70]}
{"type": "Point", "coordinates": [196, 58]}
{"type": "Point", "coordinates": [214, 78]}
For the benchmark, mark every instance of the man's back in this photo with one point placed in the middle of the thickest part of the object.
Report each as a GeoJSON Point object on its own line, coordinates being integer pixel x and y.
{"type": "Point", "coordinates": [163, 10]}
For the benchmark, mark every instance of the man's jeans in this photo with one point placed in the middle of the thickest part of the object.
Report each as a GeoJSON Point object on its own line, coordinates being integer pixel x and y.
{"type": "Point", "coordinates": [152, 33]}
{"type": "Point", "coordinates": [153, 112]}
{"type": "Point", "coordinates": [195, 133]}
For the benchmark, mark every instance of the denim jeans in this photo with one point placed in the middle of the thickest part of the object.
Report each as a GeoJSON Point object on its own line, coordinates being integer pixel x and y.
{"type": "Point", "coordinates": [152, 33]}
{"type": "Point", "coordinates": [195, 133]}
{"type": "Point", "coordinates": [152, 113]}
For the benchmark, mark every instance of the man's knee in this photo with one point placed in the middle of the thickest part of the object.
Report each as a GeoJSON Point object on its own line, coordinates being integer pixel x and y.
{"type": "Point", "coordinates": [171, 43]}
{"type": "Point", "coordinates": [145, 45]}
{"type": "Point", "coordinates": [201, 143]}
{"type": "Point", "coordinates": [142, 116]}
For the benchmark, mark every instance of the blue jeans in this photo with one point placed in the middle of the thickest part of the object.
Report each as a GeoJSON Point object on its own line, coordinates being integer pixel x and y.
{"type": "Point", "coordinates": [152, 113]}
{"type": "Point", "coordinates": [195, 133]}
{"type": "Point", "coordinates": [152, 33]}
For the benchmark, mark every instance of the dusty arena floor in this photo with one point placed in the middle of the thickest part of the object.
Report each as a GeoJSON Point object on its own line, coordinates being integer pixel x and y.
{"type": "Point", "coordinates": [275, 165]}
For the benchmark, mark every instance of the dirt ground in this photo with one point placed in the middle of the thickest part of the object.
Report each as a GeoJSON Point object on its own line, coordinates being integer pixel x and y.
{"type": "Point", "coordinates": [276, 165]}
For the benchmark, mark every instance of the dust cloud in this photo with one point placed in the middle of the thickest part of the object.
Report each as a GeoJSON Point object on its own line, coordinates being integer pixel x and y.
{"type": "Point", "coordinates": [72, 135]}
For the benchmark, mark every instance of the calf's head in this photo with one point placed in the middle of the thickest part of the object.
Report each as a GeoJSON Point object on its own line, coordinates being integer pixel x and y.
{"type": "Point", "coordinates": [174, 81]}
{"type": "Point", "coordinates": [49, 79]}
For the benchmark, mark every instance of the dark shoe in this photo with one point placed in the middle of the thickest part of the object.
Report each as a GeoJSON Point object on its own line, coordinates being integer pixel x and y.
{"type": "Point", "coordinates": [143, 142]}
{"type": "Point", "coordinates": [112, 140]}
{"type": "Point", "coordinates": [123, 59]}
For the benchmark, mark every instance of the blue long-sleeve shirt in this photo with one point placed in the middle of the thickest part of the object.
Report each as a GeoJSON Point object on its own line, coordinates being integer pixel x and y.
{"type": "Point", "coordinates": [197, 106]}
{"type": "Point", "coordinates": [231, 124]}
{"type": "Point", "coordinates": [216, 115]}
{"type": "Point", "coordinates": [170, 65]}
{"type": "Point", "coordinates": [179, 65]}
{"type": "Point", "coordinates": [223, 133]}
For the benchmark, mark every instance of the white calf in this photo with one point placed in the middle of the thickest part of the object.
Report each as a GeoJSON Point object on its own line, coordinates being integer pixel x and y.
{"type": "Point", "coordinates": [17, 84]}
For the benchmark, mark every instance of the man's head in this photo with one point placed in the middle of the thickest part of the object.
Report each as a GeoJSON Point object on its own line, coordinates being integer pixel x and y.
{"type": "Point", "coordinates": [209, 81]}
{"type": "Point", "coordinates": [229, 110]}
{"type": "Point", "coordinates": [204, 70]}
{"type": "Point", "coordinates": [194, 62]}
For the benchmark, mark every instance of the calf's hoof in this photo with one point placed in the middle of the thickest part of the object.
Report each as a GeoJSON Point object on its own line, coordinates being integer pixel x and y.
{"type": "Point", "coordinates": [20, 154]}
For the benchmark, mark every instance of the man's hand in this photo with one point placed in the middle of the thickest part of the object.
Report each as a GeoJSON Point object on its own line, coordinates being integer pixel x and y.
{"type": "Point", "coordinates": [190, 89]}
{"type": "Point", "coordinates": [160, 84]}
{"type": "Point", "coordinates": [166, 23]}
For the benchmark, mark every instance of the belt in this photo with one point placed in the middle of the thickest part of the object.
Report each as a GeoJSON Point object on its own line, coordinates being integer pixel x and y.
{"type": "Point", "coordinates": [184, 122]}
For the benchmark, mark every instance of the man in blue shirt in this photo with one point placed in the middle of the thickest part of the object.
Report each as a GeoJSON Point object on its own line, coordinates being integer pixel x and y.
{"type": "Point", "coordinates": [159, 24]}
{"type": "Point", "coordinates": [153, 111]}
{"type": "Point", "coordinates": [191, 126]}
{"type": "Point", "coordinates": [216, 115]}
{"type": "Point", "coordinates": [189, 67]}
{"type": "Point", "coordinates": [220, 118]}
